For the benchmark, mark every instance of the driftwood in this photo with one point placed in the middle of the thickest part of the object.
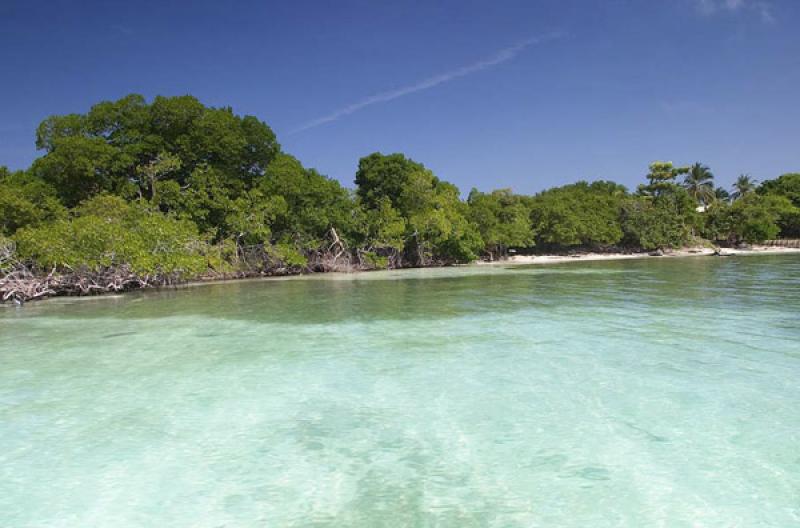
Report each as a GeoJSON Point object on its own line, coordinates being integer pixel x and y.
{"type": "Point", "coordinates": [336, 257]}
{"type": "Point", "coordinates": [21, 284]}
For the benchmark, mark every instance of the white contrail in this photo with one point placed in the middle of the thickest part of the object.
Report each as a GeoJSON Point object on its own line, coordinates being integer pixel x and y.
{"type": "Point", "coordinates": [501, 56]}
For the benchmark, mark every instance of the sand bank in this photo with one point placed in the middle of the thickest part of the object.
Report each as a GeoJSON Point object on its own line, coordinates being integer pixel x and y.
{"type": "Point", "coordinates": [688, 252]}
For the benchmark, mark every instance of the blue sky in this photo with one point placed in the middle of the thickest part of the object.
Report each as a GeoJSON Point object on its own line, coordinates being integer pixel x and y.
{"type": "Point", "coordinates": [487, 94]}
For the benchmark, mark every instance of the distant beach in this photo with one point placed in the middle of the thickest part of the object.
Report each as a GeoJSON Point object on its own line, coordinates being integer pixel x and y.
{"type": "Point", "coordinates": [685, 252]}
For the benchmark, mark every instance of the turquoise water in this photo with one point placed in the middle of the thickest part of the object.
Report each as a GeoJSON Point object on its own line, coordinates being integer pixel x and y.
{"type": "Point", "coordinates": [625, 394]}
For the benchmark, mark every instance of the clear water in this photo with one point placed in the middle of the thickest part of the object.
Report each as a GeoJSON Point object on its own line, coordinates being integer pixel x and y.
{"type": "Point", "coordinates": [628, 394]}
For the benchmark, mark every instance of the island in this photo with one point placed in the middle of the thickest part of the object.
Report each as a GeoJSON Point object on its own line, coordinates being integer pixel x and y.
{"type": "Point", "coordinates": [136, 194]}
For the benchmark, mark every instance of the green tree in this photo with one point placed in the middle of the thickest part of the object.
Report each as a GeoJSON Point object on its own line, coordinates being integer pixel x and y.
{"type": "Point", "coordinates": [314, 204]}
{"type": "Point", "coordinates": [384, 228]}
{"type": "Point", "coordinates": [743, 186]}
{"type": "Point", "coordinates": [699, 183]}
{"type": "Point", "coordinates": [717, 221]}
{"type": "Point", "coordinates": [382, 176]}
{"type": "Point", "coordinates": [502, 219]}
{"type": "Point", "coordinates": [754, 218]}
{"type": "Point", "coordinates": [378, 234]}
{"type": "Point", "coordinates": [788, 186]}
{"type": "Point", "coordinates": [149, 174]}
{"type": "Point", "coordinates": [651, 224]}
{"type": "Point", "coordinates": [671, 218]}
{"type": "Point", "coordinates": [79, 167]}
{"type": "Point", "coordinates": [721, 195]}
{"type": "Point", "coordinates": [249, 217]}
{"type": "Point", "coordinates": [26, 201]}
{"type": "Point", "coordinates": [106, 232]}
{"type": "Point", "coordinates": [106, 149]}
{"type": "Point", "coordinates": [661, 178]}
{"type": "Point", "coordinates": [436, 225]}
{"type": "Point", "coordinates": [204, 198]}
{"type": "Point", "coordinates": [579, 214]}
{"type": "Point", "coordinates": [438, 229]}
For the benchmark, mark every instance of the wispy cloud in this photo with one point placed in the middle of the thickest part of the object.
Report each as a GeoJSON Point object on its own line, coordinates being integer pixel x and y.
{"type": "Point", "coordinates": [504, 55]}
{"type": "Point", "coordinates": [765, 10]}
{"type": "Point", "coordinates": [762, 8]}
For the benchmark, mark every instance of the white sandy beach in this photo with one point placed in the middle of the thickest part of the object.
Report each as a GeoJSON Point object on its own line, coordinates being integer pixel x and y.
{"type": "Point", "coordinates": [687, 252]}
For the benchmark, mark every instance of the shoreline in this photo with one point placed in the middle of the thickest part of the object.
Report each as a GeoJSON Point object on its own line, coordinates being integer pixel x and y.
{"type": "Point", "coordinates": [541, 260]}
{"type": "Point", "coordinates": [677, 253]}
{"type": "Point", "coordinates": [513, 260]}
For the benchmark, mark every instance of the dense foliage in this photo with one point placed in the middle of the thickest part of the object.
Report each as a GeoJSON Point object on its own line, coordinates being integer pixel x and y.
{"type": "Point", "coordinates": [173, 187]}
{"type": "Point", "coordinates": [105, 231]}
{"type": "Point", "coordinates": [437, 228]}
{"type": "Point", "coordinates": [26, 201]}
{"type": "Point", "coordinates": [503, 220]}
{"type": "Point", "coordinates": [787, 186]}
{"type": "Point", "coordinates": [579, 214]}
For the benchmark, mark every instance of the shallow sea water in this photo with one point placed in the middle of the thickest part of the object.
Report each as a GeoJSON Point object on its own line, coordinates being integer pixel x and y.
{"type": "Point", "coordinates": [608, 394]}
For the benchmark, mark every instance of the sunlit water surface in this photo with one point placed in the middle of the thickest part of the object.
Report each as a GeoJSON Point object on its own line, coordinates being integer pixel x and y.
{"type": "Point", "coordinates": [626, 394]}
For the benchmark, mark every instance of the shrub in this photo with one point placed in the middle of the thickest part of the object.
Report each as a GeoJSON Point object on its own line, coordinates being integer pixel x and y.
{"type": "Point", "coordinates": [108, 232]}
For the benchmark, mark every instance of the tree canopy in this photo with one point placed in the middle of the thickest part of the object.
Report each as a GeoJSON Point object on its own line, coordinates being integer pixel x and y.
{"type": "Point", "coordinates": [502, 219]}
{"type": "Point", "coordinates": [579, 214]}
{"type": "Point", "coordinates": [106, 149]}
{"type": "Point", "coordinates": [787, 186]}
{"type": "Point", "coordinates": [437, 228]}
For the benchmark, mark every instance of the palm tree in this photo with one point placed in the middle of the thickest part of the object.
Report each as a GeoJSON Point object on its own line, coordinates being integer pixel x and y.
{"type": "Point", "coordinates": [744, 185]}
{"type": "Point", "coordinates": [699, 182]}
{"type": "Point", "coordinates": [721, 195]}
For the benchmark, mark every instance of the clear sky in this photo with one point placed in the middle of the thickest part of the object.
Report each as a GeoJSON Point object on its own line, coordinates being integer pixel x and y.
{"type": "Point", "coordinates": [522, 94]}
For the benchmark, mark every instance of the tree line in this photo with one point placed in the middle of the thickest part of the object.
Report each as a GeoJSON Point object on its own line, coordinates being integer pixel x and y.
{"type": "Point", "coordinates": [174, 188]}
